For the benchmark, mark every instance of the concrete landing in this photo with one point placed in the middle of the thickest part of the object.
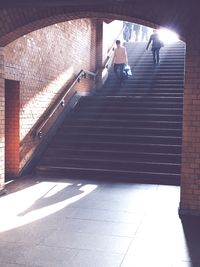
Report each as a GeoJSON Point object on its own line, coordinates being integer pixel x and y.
{"type": "Point", "coordinates": [76, 223]}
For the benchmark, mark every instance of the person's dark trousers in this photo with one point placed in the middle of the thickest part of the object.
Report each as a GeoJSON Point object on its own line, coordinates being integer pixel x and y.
{"type": "Point", "coordinates": [156, 55]}
{"type": "Point", "coordinates": [118, 70]}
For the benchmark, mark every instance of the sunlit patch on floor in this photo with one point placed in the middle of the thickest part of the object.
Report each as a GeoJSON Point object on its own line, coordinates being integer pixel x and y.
{"type": "Point", "coordinates": [39, 201]}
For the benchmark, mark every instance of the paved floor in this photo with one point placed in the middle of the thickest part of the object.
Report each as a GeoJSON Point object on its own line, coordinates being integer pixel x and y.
{"type": "Point", "coordinates": [56, 222]}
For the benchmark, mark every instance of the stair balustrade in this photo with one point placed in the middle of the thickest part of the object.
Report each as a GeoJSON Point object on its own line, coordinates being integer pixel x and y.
{"type": "Point", "coordinates": [60, 103]}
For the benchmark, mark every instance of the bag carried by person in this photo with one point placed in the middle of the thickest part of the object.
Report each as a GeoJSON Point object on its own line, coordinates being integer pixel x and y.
{"type": "Point", "coordinates": [127, 71]}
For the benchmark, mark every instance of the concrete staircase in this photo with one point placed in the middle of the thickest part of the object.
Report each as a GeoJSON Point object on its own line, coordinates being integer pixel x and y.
{"type": "Point", "coordinates": [131, 132]}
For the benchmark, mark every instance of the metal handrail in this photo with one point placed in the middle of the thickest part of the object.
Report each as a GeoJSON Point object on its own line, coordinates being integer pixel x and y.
{"type": "Point", "coordinates": [81, 74]}
{"type": "Point", "coordinates": [61, 102]}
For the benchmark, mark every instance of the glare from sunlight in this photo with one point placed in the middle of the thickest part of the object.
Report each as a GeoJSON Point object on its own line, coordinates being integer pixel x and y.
{"type": "Point", "coordinates": [38, 201]}
{"type": "Point", "coordinates": [168, 36]}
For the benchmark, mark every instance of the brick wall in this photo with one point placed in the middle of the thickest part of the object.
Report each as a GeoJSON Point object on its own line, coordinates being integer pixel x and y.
{"type": "Point", "coordinates": [190, 178]}
{"type": "Point", "coordinates": [43, 61]}
{"type": "Point", "coordinates": [2, 125]}
{"type": "Point", "coordinates": [12, 105]}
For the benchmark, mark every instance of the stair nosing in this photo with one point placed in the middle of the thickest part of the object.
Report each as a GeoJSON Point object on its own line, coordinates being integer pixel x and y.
{"type": "Point", "coordinates": [116, 161]}
{"type": "Point", "coordinates": [107, 170]}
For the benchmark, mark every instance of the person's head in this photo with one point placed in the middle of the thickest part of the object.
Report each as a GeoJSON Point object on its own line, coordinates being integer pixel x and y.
{"type": "Point", "coordinates": [118, 43]}
{"type": "Point", "coordinates": [154, 30]}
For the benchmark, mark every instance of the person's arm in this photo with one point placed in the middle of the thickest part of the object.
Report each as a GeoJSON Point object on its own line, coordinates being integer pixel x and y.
{"type": "Point", "coordinates": [150, 39]}
{"type": "Point", "coordinates": [126, 57]}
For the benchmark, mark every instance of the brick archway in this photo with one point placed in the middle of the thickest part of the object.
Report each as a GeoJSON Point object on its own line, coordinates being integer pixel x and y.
{"type": "Point", "coordinates": [19, 20]}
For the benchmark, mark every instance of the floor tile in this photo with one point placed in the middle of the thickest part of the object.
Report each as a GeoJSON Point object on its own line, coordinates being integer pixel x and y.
{"type": "Point", "coordinates": [87, 224]}
{"type": "Point", "coordinates": [185, 264]}
{"type": "Point", "coordinates": [45, 256]}
{"type": "Point", "coordinates": [100, 227]}
{"type": "Point", "coordinates": [87, 258]}
{"type": "Point", "coordinates": [104, 215]}
{"type": "Point", "coordinates": [14, 265]}
{"type": "Point", "coordinates": [63, 238]}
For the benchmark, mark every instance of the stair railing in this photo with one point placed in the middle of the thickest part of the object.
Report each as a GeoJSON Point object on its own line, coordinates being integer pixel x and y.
{"type": "Point", "coordinates": [62, 101]}
{"type": "Point", "coordinates": [70, 92]}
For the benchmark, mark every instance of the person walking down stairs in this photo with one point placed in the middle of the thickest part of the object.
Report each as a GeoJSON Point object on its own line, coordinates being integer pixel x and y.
{"type": "Point", "coordinates": [120, 60]}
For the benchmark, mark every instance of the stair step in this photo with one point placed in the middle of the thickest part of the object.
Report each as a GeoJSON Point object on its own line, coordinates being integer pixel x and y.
{"type": "Point", "coordinates": [114, 154]}
{"type": "Point", "coordinates": [95, 137]}
{"type": "Point", "coordinates": [127, 133]}
{"type": "Point", "coordinates": [137, 147]}
{"type": "Point", "coordinates": [142, 91]}
{"type": "Point", "coordinates": [114, 99]}
{"type": "Point", "coordinates": [135, 104]}
{"type": "Point", "coordinates": [127, 165]}
{"type": "Point", "coordinates": [131, 110]}
{"type": "Point", "coordinates": [156, 84]}
{"type": "Point", "coordinates": [125, 176]}
{"type": "Point", "coordinates": [127, 92]}
{"type": "Point", "coordinates": [128, 116]}
{"type": "Point", "coordinates": [124, 123]}
{"type": "Point", "coordinates": [120, 130]}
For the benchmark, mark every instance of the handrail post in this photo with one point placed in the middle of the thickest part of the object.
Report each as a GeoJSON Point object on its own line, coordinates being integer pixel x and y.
{"type": "Point", "coordinates": [99, 50]}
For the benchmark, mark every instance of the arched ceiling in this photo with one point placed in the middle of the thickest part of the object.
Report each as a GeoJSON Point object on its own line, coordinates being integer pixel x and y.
{"type": "Point", "coordinates": [23, 16]}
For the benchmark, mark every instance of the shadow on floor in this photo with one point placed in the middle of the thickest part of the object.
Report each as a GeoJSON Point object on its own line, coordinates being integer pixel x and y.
{"type": "Point", "coordinates": [191, 228]}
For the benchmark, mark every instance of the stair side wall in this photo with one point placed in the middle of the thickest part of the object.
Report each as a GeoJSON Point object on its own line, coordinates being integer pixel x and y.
{"type": "Point", "coordinates": [190, 178]}
{"type": "Point", "coordinates": [2, 116]}
{"type": "Point", "coordinates": [43, 61]}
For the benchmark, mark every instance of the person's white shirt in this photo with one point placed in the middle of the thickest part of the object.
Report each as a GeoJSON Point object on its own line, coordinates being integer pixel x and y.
{"type": "Point", "coordinates": [120, 55]}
